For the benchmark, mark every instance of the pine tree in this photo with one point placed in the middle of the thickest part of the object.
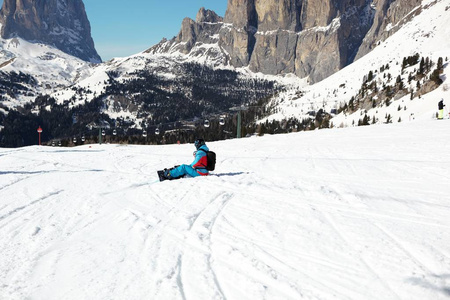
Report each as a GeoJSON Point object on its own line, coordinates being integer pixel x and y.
{"type": "Point", "coordinates": [351, 104]}
{"type": "Point", "coordinates": [399, 82]}
{"type": "Point", "coordinates": [440, 64]}
{"type": "Point", "coordinates": [410, 77]}
{"type": "Point", "coordinates": [370, 76]}
{"type": "Point", "coordinates": [421, 70]}
{"type": "Point", "coordinates": [404, 64]}
{"type": "Point", "coordinates": [389, 119]}
{"type": "Point", "coordinates": [435, 77]}
{"type": "Point", "coordinates": [428, 64]}
{"type": "Point", "coordinates": [366, 120]}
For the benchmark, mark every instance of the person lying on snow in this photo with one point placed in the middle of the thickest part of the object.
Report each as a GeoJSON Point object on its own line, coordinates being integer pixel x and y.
{"type": "Point", "coordinates": [197, 168]}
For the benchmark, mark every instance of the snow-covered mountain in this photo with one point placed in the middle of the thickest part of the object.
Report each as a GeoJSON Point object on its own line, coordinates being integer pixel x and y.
{"type": "Point", "coordinates": [355, 213]}
{"type": "Point", "coordinates": [49, 69]}
{"type": "Point", "coordinates": [308, 38]}
{"type": "Point", "coordinates": [190, 77]}
{"type": "Point", "coordinates": [59, 23]}
{"type": "Point", "coordinates": [423, 32]}
{"type": "Point", "coordinates": [425, 35]}
{"type": "Point", "coordinates": [44, 46]}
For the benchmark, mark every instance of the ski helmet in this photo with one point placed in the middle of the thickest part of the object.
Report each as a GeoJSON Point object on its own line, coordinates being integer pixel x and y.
{"type": "Point", "coordinates": [198, 143]}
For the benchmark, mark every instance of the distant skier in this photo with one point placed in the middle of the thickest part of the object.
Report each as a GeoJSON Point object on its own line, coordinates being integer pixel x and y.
{"type": "Point", "coordinates": [441, 106]}
{"type": "Point", "coordinates": [196, 168]}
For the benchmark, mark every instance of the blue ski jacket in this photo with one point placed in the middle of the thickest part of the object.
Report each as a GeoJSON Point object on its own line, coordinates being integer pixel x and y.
{"type": "Point", "coordinates": [197, 168]}
{"type": "Point", "coordinates": [200, 161]}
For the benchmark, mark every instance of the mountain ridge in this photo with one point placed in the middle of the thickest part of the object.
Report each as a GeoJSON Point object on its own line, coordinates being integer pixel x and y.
{"type": "Point", "coordinates": [310, 39]}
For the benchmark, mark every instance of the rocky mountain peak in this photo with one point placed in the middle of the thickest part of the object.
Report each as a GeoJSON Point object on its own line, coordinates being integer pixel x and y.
{"type": "Point", "coordinates": [60, 23]}
{"type": "Point", "coordinates": [309, 38]}
{"type": "Point", "coordinates": [207, 16]}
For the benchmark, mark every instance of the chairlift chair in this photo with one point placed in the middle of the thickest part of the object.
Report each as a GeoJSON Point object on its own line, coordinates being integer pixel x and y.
{"type": "Point", "coordinates": [74, 140]}
{"type": "Point", "coordinates": [114, 132]}
{"type": "Point", "coordinates": [83, 138]}
{"type": "Point", "coordinates": [144, 134]}
{"type": "Point", "coordinates": [103, 132]}
{"type": "Point", "coordinates": [157, 131]}
{"type": "Point", "coordinates": [222, 121]}
{"type": "Point", "coordinates": [206, 123]}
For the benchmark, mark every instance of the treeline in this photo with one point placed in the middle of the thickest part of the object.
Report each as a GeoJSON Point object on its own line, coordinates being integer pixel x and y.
{"type": "Point", "coordinates": [174, 107]}
{"type": "Point", "coordinates": [195, 92]}
{"type": "Point", "coordinates": [418, 76]}
{"type": "Point", "coordinates": [67, 127]}
{"type": "Point", "coordinates": [14, 84]}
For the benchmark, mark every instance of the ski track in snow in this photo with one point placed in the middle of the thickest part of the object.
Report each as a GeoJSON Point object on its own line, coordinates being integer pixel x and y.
{"type": "Point", "coordinates": [357, 213]}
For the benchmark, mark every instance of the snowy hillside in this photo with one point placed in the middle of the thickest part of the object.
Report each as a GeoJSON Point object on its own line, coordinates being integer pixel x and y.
{"type": "Point", "coordinates": [427, 35]}
{"type": "Point", "coordinates": [51, 68]}
{"type": "Point", "coordinates": [163, 76]}
{"type": "Point", "coordinates": [354, 213]}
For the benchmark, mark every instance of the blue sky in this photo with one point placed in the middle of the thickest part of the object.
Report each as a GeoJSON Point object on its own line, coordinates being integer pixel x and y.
{"type": "Point", "coordinates": [123, 28]}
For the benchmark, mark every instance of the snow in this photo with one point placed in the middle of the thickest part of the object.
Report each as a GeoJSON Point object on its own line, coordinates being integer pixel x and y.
{"type": "Point", "coordinates": [51, 67]}
{"type": "Point", "coordinates": [353, 213]}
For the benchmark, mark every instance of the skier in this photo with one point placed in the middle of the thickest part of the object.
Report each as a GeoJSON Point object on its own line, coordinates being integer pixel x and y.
{"type": "Point", "coordinates": [441, 109]}
{"type": "Point", "coordinates": [197, 168]}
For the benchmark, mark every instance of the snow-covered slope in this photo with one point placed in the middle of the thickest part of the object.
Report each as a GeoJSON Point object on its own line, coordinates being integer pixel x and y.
{"type": "Point", "coordinates": [51, 68]}
{"type": "Point", "coordinates": [167, 67]}
{"type": "Point", "coordinates": [427, 34]}
{"type": "Point", "coordinates": [355, 213]}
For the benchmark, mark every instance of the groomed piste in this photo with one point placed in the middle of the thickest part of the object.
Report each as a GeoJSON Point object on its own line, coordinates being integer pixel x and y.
{"type": "Point", "coordinates": [354, 213]}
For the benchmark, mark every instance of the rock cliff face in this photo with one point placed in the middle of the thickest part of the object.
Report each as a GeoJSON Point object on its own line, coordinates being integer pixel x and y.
{"type": "Point", "coordinates": [237, 35]}
{"type": "Point", "coordinates": [305, 37]}
{"type": "Point", "coordinates": [309, 38]}
{"type": "Point", "coordinates": [389, 16]}
{"type": "Point", "coordinates": [60, 23]}
{"type": "Point", "coordinates": [204, 31]}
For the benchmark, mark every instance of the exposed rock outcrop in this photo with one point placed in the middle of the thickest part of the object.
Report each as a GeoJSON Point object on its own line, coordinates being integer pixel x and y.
{"type": "Point", "coordinates": [309, 38]}
{"type": "Point", "coordinates": [60, 23]}
{"type": "Point", "coordinates": [195, 34]}
{"type": "Point", "coordinates": [389, 16]}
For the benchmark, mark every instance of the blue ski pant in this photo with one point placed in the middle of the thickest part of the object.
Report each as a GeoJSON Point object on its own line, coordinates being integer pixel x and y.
{"type": "Point", "coordinates": [183, 170]}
